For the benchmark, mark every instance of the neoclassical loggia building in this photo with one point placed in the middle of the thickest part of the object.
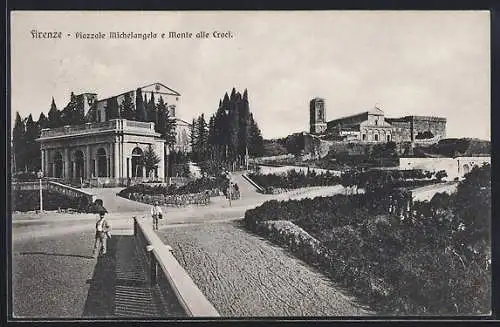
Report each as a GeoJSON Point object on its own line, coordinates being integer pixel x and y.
{"type": "Point", "coordinates": [109, 151]}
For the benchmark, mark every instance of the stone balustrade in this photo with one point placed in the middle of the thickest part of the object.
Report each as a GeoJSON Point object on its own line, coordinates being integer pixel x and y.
{"type": "Point", "coordinates": [163, 270]}
{"type": "Point", "coordinates": [70, 191]}
{"type": "Point", "coordinates": [89, 128]}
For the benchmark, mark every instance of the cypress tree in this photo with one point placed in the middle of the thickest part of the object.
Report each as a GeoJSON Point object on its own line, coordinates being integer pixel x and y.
{"type": "Point", "coordinates": [140, 109]}
{"type": "Point", "coordinates": [32, 147]}
{"type": "Point", "coordinates": [54, 116]}
{"type": "Point", "coordinates": [127, 107]}
{"type": "Point", "coordinates": [18, 143]}
{"type": "Point", "coordinates": [42, 121]}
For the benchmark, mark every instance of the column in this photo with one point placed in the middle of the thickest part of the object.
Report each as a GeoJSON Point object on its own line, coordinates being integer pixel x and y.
{"type": "Point", "coordinates": [129, 168]}
{"type": "Point", "coordinates": [73, 168]}
{"type": "Point", "coordinates": [122, 159]}
{"type": "Point", "coordinates": [144, 172]}
{"type": "Point", "coordinates": [108, 166]}
{"type": "Point", "coordinates": [66, 163]}
{"type": "Point", "coordinates": [116, 158]}
{"type": "Point", "coordinates": [161, 165]}
{"type": "Point", "coordinates": [88, 170]}
{"type": "Point", "coordinates": [44, 169]}
{"type": "Point", "coordinates": [96, 171]}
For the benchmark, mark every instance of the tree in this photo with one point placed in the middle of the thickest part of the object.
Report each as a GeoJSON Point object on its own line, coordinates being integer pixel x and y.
{"type": "Point", "coordinates": [150, 159]}
{"type": "Point", "coordinates": [201, 138]}
{"type": "Point", "coordinates": [73, 113]}
{"type": "Point", "coordinates": [112, 109]}
{"type": "Point", "coordinates": [151, 109]}
{"type": "Point", "coordinates": [256, 141]}
{"type": "Point", "coordinates": [140, 109]}
{"type": "Point", "coordinates": [127, 107]}
{"type": "Point", "coordinates": [193, 139]}
{"type": "Point", "coordinates": [54, 116]}
{"type": "Point", "coordinates": [19, 143]}
{"type": "Point", "coordinates": [32, 147]}
{"type": "Point", "coordinates": [42, 121]}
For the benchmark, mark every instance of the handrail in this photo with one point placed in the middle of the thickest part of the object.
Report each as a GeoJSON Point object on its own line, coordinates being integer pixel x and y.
{"type": "Point", "coordinates": [188, 294]}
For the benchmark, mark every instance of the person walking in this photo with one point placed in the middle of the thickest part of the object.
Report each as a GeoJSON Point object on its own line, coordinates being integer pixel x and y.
{"type": "Point", "coordinates": [102, 233]}
{"type": "Point", "coordinates": [157, 214]}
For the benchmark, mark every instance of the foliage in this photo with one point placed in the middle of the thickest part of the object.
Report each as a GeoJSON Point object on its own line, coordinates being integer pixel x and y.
{"type": "Point", "coordinates": [30, 200]}
{"type": "Point", "coordinates": [196, 186]}
{"type": "Point", "coordinates": [295, 179]}
{"type": "Point", "coordinates": [127, 109]}
{"type": "Point", "coordinates": [229, 134]}
{"type": "Point", "coordinates": [436, 261]}
{"type": "Point", "coordinates": [140, 109]}
{"type": "Point", "coordinates": [150, 159]}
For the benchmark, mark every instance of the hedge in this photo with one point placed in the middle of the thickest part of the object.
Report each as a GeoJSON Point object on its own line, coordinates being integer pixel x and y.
{"type": "Point", "coordinates": [30, 200]}
{"type": "Point", "coordinates": [294, 179]}
{"type": "Point", "coordinates": [437, 262]}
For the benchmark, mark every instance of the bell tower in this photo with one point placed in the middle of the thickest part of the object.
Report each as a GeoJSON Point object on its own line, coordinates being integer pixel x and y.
{"type": "Point", "coordinates": [317, 120]}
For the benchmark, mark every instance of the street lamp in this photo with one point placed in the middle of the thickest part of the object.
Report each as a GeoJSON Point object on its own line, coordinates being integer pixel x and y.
{"type": "Point", "coordinates": [40, 175]}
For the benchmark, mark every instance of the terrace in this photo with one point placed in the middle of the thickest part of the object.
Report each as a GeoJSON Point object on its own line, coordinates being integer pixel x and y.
{"type": "Point", "coordinates": [115, 125]}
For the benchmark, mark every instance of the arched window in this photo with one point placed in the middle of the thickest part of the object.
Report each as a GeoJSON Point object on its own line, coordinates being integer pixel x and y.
{"type": "Point", "coordinates": [376, 137]}
{"type": "Point", "coordinates": [137, 170]}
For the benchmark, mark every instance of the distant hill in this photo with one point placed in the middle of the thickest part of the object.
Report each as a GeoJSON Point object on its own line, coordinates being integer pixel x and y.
{"type": "Point", "coordinates": [454, 147]}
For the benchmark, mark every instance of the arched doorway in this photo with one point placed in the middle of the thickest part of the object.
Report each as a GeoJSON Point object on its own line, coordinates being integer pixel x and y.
{"type": "Point", "coordinates": [466, 169]}
{"type": "Point", "coordinates": [102, 163]}
{"type": "Point", "coordinates": [78, 164]}
{"type": "Point", "coordinates": [137, 166]}
{"type": "Point", "coordinates": [58, 165]}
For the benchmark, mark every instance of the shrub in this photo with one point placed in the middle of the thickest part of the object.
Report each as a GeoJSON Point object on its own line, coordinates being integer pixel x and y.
{"type": "Point", "coordinates": [30, 200]}
{"type": "Point", "coordinates": [293, 179]}
{"type": "Point", "coordinates": [435, 262]}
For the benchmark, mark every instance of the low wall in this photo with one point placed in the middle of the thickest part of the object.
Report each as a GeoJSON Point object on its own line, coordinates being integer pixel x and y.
{"type": "Point", "coordinates": [71, 191]}
{"type": "Point", "coordinates": [251, 181]}
{"type": "Point", "coordinates": [165, 271]}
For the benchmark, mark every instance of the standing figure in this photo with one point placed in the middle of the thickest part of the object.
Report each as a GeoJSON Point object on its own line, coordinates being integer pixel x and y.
{"type": "Point", "coordinates": [157, 214]}
{"type": "Point", "coordinates": [102, 229]}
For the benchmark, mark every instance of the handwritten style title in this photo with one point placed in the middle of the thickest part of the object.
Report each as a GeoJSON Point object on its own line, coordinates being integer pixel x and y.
{"type": "Point", "coordinates": [35, 34]}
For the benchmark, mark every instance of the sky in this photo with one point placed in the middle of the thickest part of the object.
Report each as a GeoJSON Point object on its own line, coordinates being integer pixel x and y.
{"type": "Point", "coordinates": [407, 63]}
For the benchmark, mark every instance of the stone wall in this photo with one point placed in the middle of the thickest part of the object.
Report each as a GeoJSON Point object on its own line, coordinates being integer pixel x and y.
{"type": "Point", "coordinates": [435, 125]}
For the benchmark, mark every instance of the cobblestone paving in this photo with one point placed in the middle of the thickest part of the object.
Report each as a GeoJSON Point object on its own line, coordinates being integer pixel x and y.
{"type": "Point", "coordinates": [245, 275]}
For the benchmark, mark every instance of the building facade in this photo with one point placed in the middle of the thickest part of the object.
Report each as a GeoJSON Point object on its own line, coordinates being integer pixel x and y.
{"type": "Point", "coordinates": [373, 127]}
{"type": "Point", "coordinates": [110, 150]}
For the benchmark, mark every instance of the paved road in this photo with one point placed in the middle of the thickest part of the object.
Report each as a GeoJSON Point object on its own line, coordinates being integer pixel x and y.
{"type": "Point", "coordinates": [244, 275]}
{"type": "Point", "coordinates": [52, 270]}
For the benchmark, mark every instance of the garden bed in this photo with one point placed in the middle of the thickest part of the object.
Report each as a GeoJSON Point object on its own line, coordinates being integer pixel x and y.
{"type": "Point", "coordinates": [196, 192]}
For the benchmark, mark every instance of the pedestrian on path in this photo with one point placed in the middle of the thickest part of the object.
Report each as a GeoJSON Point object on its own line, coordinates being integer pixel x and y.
{"type": "Point", "coordinates": [157, 214]}
{"type": "Point", "coordinates": [102, 233]}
